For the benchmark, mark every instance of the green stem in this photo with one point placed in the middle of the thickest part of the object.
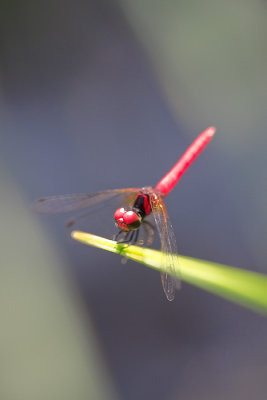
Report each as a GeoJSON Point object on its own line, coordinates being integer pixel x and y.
{"type": "Point", "coordinates": [246, 288]}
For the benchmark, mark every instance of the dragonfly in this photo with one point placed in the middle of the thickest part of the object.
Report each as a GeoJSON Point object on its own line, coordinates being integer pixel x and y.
{"type": "Point", "coordinates": [138, 204]}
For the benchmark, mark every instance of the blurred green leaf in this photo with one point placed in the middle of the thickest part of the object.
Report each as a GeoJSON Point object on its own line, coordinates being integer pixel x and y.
{"type": "Point", "coordinates": [49, 348]}
{"type": "Point", "coordinates": [246, 288]}
{"type": "Point", "coordinates": [210, 58]}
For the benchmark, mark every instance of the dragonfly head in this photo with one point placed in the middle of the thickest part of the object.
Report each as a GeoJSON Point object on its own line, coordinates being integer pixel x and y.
{"type": "Point", "coordinates": [127, 220]}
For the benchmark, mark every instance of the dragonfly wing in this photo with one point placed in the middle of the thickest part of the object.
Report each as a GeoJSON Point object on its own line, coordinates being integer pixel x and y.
{"type": "Point", "coordinates": [168, 245]}
{"type": "Point", "coordinates": [74, 202]}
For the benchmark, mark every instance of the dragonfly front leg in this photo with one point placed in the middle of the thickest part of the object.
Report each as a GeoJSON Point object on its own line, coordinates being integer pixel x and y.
{"type": "Point", "coordinates": [129, 238]}
{"type": "Point", "coordinates": [134, 237]}
{"type": "Point", "coordinates": [124, 239]}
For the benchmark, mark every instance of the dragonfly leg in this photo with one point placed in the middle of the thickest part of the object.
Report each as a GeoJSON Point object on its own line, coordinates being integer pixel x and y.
{"type": "Point", "coordinates": [116, 236]}
{"type": "Point", "coordinates": [129, 238]}
{"type": "Point", "coordinates": [124, 239]}
{"type": "Point", "coordinates": [134, 237]}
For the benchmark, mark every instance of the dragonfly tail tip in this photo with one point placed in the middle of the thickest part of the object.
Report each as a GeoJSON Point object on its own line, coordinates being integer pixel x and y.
{"type": "Point", "coordinates": [211, 131]}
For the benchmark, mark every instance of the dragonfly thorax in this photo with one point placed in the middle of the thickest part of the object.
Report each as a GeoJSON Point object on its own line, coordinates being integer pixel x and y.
{"type": "Point", "coordinates": [127, 220]}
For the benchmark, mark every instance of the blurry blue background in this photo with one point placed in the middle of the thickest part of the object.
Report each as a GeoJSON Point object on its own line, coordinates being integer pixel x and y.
{"type": "Point", "coordinates": [105, 94]}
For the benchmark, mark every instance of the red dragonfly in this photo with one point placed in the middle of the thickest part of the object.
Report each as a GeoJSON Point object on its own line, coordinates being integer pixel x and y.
{"type": "Point", "coordinates": [140, 203]}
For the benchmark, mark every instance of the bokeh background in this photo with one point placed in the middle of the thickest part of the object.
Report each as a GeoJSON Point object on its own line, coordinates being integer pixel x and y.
{"type": "Point", "coordinates": [101, 94]}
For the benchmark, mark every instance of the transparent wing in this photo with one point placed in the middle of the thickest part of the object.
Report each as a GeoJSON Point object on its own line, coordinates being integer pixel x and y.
{"type": "Point", "coordinates": [168, 244]}
{"type": "Point", "coordinates": [74, 202]}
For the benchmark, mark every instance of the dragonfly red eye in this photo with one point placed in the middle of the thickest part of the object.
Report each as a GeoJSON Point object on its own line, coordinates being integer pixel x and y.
{"type": "Point", "coordinates": [121, 225]}
{"type": "Point", "coordinates": [132, 219]}
{"type": "Point", "coordinates": [119, 213]}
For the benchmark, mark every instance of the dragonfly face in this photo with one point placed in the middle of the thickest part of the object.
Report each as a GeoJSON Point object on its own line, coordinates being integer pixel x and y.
{"type": "Point", "coordinates": [127, 220]}
{"type": "Point", "coordinates": [131, 220]}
